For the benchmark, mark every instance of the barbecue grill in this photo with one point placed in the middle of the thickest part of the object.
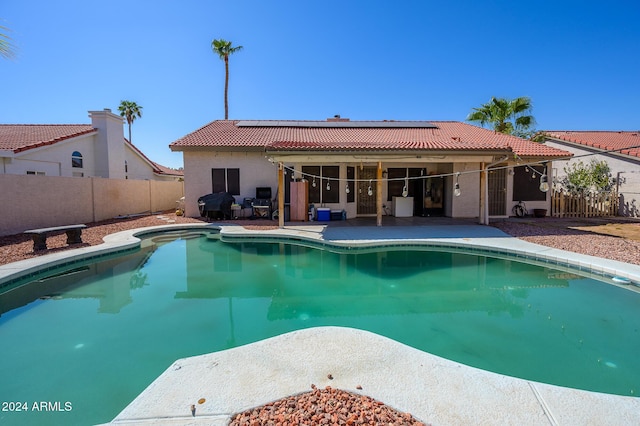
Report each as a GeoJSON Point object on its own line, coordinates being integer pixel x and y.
{"type": "Point", "coordinates": [216, 206]}
{"type": "Point", "coordinates": [262, 203]}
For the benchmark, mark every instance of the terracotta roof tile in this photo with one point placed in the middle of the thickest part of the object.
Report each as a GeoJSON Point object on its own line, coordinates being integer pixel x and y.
{"type": "Point", "coordinates": [625, 142]}
{"type": "Point", "coordinates": [289, 136]}
{"type": "Point", "coordinates": [21, 137]}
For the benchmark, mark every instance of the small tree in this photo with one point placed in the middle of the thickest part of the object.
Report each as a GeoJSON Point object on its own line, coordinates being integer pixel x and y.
{"type": "Point", "coordinates": [587, 178]}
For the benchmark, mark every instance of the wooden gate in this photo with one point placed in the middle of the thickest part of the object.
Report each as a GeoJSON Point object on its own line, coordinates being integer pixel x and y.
{"type": "Point", "coordinates": [564, 204]}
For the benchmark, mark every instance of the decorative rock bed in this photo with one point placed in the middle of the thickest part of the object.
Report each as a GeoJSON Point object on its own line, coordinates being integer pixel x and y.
{"type": "Point", "coordinates": [324, 406]}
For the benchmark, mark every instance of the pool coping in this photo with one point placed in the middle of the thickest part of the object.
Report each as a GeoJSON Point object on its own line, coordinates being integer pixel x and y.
{"type": "Point", "coordinates": [526, 400]}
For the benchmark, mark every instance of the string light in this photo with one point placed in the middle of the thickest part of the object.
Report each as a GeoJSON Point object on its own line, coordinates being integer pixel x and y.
{"type": "Point", "coordinates": [544, 185]}
{"type": "Point", "coordinates": [369, 190]}
{"type": "Point", "coordinates": [518, 164]}
{"type": "Point", "coordinates": [456, 189]}
{"type": "Point", "coordinates": [314, 182]}
{"type": "Point", "coordinates": [328, 186]}
{"type": "Point", "coordinates": [347, 190]}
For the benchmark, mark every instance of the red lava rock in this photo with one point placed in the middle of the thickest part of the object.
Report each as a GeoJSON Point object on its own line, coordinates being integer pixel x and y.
{"type": "Point", "coordinates": [324, 406]}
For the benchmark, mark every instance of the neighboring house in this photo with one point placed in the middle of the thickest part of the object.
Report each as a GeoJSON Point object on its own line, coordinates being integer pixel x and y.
{"type": "Point", "coordinates": [344, 161]}
{"type": "Point", "coordinates": [621, 151]}
{"type": "Point", "coordinates": [98, 149]}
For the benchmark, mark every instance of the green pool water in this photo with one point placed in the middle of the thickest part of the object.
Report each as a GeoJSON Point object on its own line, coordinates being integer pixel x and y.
{"type": "Point", "coordinates": [104, 331]}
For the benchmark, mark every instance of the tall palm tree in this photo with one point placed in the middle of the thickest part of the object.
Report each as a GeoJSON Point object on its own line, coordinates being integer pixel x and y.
{"type": "Point", "coordinates": [130, 110]}
{"type": "Point", "coordinates": [223, 49]}
{"type": "Point", "coordinates": [7, 49]}
{"type": "Point", "coordinates": [510, 116]}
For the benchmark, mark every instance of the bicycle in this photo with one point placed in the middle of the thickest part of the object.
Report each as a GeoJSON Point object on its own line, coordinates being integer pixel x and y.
{"type": "Point", "coordinates": [520, 209]}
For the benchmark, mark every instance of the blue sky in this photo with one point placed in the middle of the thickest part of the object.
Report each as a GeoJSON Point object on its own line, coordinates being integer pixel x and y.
{"type": "Point", "coordinates": [579, 61]}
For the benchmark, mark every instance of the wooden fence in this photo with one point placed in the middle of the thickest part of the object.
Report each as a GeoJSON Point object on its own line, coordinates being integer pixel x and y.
{"type": "Point", "coordinates": [564, 204]}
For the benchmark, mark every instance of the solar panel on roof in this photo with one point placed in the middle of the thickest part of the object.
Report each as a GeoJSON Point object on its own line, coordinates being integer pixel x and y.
{"type": "Point", "coordinates": [338, 124]}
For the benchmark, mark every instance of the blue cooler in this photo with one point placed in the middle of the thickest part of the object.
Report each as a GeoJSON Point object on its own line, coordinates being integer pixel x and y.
{"type": "Point", "coordinates": [323, 214]}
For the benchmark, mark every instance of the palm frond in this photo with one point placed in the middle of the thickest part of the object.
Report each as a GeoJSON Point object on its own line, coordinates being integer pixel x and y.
{"type": "Point", "coordinates": [7, 48]}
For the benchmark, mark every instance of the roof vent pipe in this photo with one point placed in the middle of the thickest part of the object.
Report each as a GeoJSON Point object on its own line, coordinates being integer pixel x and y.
{"type": "Point", "coordinates": [337, 118]}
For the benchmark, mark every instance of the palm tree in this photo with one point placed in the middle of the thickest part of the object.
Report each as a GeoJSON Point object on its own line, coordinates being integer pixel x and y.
{"type": "Point", "coordinates": [130, 110]}
{"type": "Point", "coordinates": [510, 116]}
{"type": "Point", "coordinates": [223, 49]}
{"type": "Point", "coordinates": [7, 49]}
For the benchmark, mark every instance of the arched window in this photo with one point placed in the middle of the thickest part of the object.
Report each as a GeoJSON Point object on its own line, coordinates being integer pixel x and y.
{"type": "Point", "coordinates": [76, 159]}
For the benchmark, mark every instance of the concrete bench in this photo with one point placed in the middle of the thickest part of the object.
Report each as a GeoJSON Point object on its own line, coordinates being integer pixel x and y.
{"type": "Point", "coordinates": [74, 235]}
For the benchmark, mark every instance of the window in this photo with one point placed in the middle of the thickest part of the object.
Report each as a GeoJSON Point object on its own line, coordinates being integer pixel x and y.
{"type": "Point", "coordinates": [76, 160]}
{"type": "Point", "coordinates": [225, 180]}
{"type": "Point", "coordinates": [325, 186]}
{"type": "Point", "coordinates": [331, 187]}
{"type": "Point", "coordinates": [310, 173]}
{"type": "Point", "coordinates": [401, 177]}
{"type": "Point", "coordinates": [526, 183]}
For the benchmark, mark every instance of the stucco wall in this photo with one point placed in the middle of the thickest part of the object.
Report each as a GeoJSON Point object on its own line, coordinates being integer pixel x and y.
{"type": "Point", "coordinates": [43, 201]}
{"type": "Point", "coordinates": [137, 168]}
{"type": "Point", "coordinates": [467, 204]}
{"type": "Point", "coordinates": [255, 171]}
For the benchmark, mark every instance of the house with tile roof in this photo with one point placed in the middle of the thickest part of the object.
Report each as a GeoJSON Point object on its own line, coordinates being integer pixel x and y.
{"type": "Point", "coordinates": [98, 149]}
{"type": "Point", "coordinates": [621, 151]}
{"type": "Point", "coordinates": [368, 168]}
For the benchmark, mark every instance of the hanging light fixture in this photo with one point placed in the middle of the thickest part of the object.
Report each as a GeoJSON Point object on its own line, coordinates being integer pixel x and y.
{"type": "Point", "coordinates": [405, 191]}
{"type": "Point", "coordinates": [544, 185]}
{"type": "Point", "coordinates": [456, 188]}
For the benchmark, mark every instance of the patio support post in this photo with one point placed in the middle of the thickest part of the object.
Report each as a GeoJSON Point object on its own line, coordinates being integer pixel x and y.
{"type": "Point", "coordinates": [280, 195]}
{"type": "Point", "coordinates": [379, 195]}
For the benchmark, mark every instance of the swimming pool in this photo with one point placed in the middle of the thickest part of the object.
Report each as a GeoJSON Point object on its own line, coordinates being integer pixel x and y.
{"type": "Point", "coordinates": [106, 330]}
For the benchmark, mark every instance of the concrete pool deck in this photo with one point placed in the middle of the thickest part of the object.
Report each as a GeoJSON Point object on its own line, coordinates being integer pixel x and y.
{"type": "Point", "coordinates": [434, 390]}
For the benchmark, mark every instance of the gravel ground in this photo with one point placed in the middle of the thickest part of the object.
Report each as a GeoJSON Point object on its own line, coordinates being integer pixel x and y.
{"type": "Point", "coordinates": [561, 234]}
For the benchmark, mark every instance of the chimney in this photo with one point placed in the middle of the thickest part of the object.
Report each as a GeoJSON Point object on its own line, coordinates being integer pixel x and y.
{"type": "Point", "coordinates": [337, 118]}
{"type": "Point", "coordinates": [109, 148]}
